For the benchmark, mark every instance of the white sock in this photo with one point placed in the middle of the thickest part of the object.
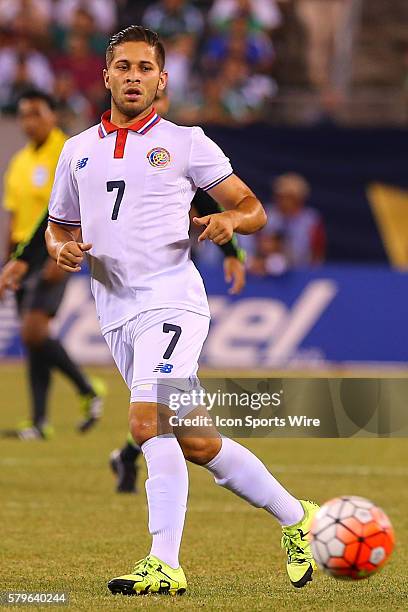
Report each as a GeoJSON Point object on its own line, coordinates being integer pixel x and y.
{"type": "Point", "coordinates": [167, 490]}
{"type": "Point", "coordinates": [240, 471]}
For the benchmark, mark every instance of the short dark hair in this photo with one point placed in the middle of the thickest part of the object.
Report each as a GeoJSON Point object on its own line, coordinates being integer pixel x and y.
{"type": "Point", "coordinates": [135, 33]}
{"type": "Point", "coordinates": [37, 94]}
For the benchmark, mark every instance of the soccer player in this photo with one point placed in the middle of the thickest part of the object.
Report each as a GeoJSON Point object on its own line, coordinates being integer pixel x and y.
{"type": "Point", "coordinates": [126, 185]}
{"type": "Point", "coordinates": [27, 188]}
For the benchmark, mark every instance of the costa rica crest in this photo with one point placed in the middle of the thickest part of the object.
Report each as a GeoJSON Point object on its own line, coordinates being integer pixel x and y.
{"type": "Point", "coordinates": [158, 157]}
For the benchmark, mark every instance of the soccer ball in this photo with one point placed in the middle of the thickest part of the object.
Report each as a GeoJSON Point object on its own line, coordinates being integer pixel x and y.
{"type": "Point", "coordinates": [351, 537]}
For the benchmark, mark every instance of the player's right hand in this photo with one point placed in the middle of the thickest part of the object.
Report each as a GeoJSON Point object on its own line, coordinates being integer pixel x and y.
{"type": "Point", "coordinates": [11, 275]}
{"type": "Point", "coordinates": [71, 255]}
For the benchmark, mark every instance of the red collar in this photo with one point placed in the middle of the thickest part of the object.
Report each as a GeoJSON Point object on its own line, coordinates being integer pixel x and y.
{"type": "Point", "coordinates": [141, 127]}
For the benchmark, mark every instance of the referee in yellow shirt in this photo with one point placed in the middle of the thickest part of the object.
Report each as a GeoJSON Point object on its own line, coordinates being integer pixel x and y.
{"type": "Point", "coordinates": [27, 188]}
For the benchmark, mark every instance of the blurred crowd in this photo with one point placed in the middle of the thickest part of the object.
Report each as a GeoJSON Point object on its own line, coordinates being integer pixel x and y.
{"type": "Point", "coordinates": [222, 55]}
{"type": "Point", "coordinates": [294, 236]}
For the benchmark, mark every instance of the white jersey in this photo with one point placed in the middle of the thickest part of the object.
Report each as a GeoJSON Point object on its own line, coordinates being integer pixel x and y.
{"type": "Point", "coordinates": [130, 191]}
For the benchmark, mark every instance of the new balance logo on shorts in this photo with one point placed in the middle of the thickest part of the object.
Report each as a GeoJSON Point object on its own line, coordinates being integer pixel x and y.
{"type": "Point", "coordinates": [81, 163]}
{"type": "Point", "coordinates": [163, 368]}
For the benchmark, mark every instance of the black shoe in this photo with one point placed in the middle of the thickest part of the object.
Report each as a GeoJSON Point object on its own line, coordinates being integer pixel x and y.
{"type": "Point", "coordinates": [125, 471]}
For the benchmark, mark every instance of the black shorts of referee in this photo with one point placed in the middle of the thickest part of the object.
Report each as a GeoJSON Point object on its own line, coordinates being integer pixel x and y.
{"type": "Point", "coordinates": [37, 293]}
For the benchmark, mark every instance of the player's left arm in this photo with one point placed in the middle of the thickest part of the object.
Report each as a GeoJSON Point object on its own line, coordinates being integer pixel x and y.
{"type": "Point", "coordinates": [244, 215]}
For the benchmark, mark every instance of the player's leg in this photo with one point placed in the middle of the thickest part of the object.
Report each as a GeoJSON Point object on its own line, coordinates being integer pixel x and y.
{"type": "Point", "coordinates": [167, 491]}
{"type": "Point", "coordinates": [42, 300]}
{"type": "Point", "coordinates": [38, 378]}
{"type": "Point", "coordinates": [236, 468]}
{"type": "Point", "coordinates": [159, 345]}
{"type": "Point", "coordinates": [167, 484]}
{"type": "Point", "coordinates": [124, 466]}
{"type": "Point", "coordinates": [45, 353]}
{"type": "Point", "coordinates": [34, 330]}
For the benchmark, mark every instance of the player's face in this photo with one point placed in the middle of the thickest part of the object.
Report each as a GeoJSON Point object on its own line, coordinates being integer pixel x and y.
{"type": "Point", "coordinates": [133, 78]}
{"type": "Point", "coordinates": [37, 119]}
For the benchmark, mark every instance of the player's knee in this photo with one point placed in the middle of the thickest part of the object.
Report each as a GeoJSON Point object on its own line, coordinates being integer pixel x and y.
{"type": "Point", "coordinates": [141, 430]}
{"type": "Point", "coordinates": [32, 339]}
{"type": "Point", "coordinates": [200, 450]}
{"type": "Point", "coordinates": [142, 423]}
{"type": "Point", "coordinates": [34, 333]}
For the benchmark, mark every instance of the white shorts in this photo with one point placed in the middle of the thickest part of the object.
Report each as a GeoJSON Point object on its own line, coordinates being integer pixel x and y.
{"type": "Point", "coordinates": [160, 345]}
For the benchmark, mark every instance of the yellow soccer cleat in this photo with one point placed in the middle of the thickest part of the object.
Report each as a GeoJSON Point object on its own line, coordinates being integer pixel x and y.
{"type": "Point", "coordinates": [91, 405]}
{"type": "Point", "coordinates": [300, 563]}
{"type": "Point", "coordinates": [150, 575]}
{"type": "Point", "coordinates": [28, 431]}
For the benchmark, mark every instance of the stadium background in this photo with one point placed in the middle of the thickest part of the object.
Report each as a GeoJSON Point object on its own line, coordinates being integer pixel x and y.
{"type": "Point", "coordinates": [341, 123]}
{"type": "Point", "coordinates": [338, 121]}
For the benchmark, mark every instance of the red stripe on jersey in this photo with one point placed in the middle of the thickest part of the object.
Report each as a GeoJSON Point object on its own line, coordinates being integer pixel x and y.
{"type": "Point", "coordinates": [121, 137]}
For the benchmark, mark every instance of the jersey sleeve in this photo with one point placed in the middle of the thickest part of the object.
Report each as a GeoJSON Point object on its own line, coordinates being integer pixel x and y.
{"type": "Point", "coordinates": [208, 165]}
{"type": "Point", "coordinates": [64, 202]}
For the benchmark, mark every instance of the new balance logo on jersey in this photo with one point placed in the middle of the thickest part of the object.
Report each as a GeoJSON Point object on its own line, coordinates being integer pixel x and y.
{"type": "Point", "coordinates": [163, 368]}
{"type": "Point", "coordinates": [81, 163]}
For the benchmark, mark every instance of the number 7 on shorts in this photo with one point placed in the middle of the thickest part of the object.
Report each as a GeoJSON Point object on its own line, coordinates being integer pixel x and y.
{"type": "Point", "coordinates": [168, 327]}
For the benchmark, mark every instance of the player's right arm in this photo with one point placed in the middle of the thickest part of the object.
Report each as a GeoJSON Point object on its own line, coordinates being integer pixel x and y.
{"type": "Point", "coordinates": [63, 234]}
{"type": "Point", "coordinates": [65, 246]}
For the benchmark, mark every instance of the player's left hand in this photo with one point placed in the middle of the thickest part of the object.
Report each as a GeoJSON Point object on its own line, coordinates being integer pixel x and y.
{"type": "Point", "coordinates": [219, 227]}
{"type": "Point", "coordinates": [12, 275]}
{"type": "Point", "coordinates": [234, 271]}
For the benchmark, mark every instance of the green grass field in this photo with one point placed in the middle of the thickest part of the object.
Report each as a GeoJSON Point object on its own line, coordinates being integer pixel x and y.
{"type": "Point", "coordinates": [64, 528]}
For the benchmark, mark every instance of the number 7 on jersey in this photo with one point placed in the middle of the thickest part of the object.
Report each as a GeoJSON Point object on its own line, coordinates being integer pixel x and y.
{"type": "Point", "coordinates": [120, 186]}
